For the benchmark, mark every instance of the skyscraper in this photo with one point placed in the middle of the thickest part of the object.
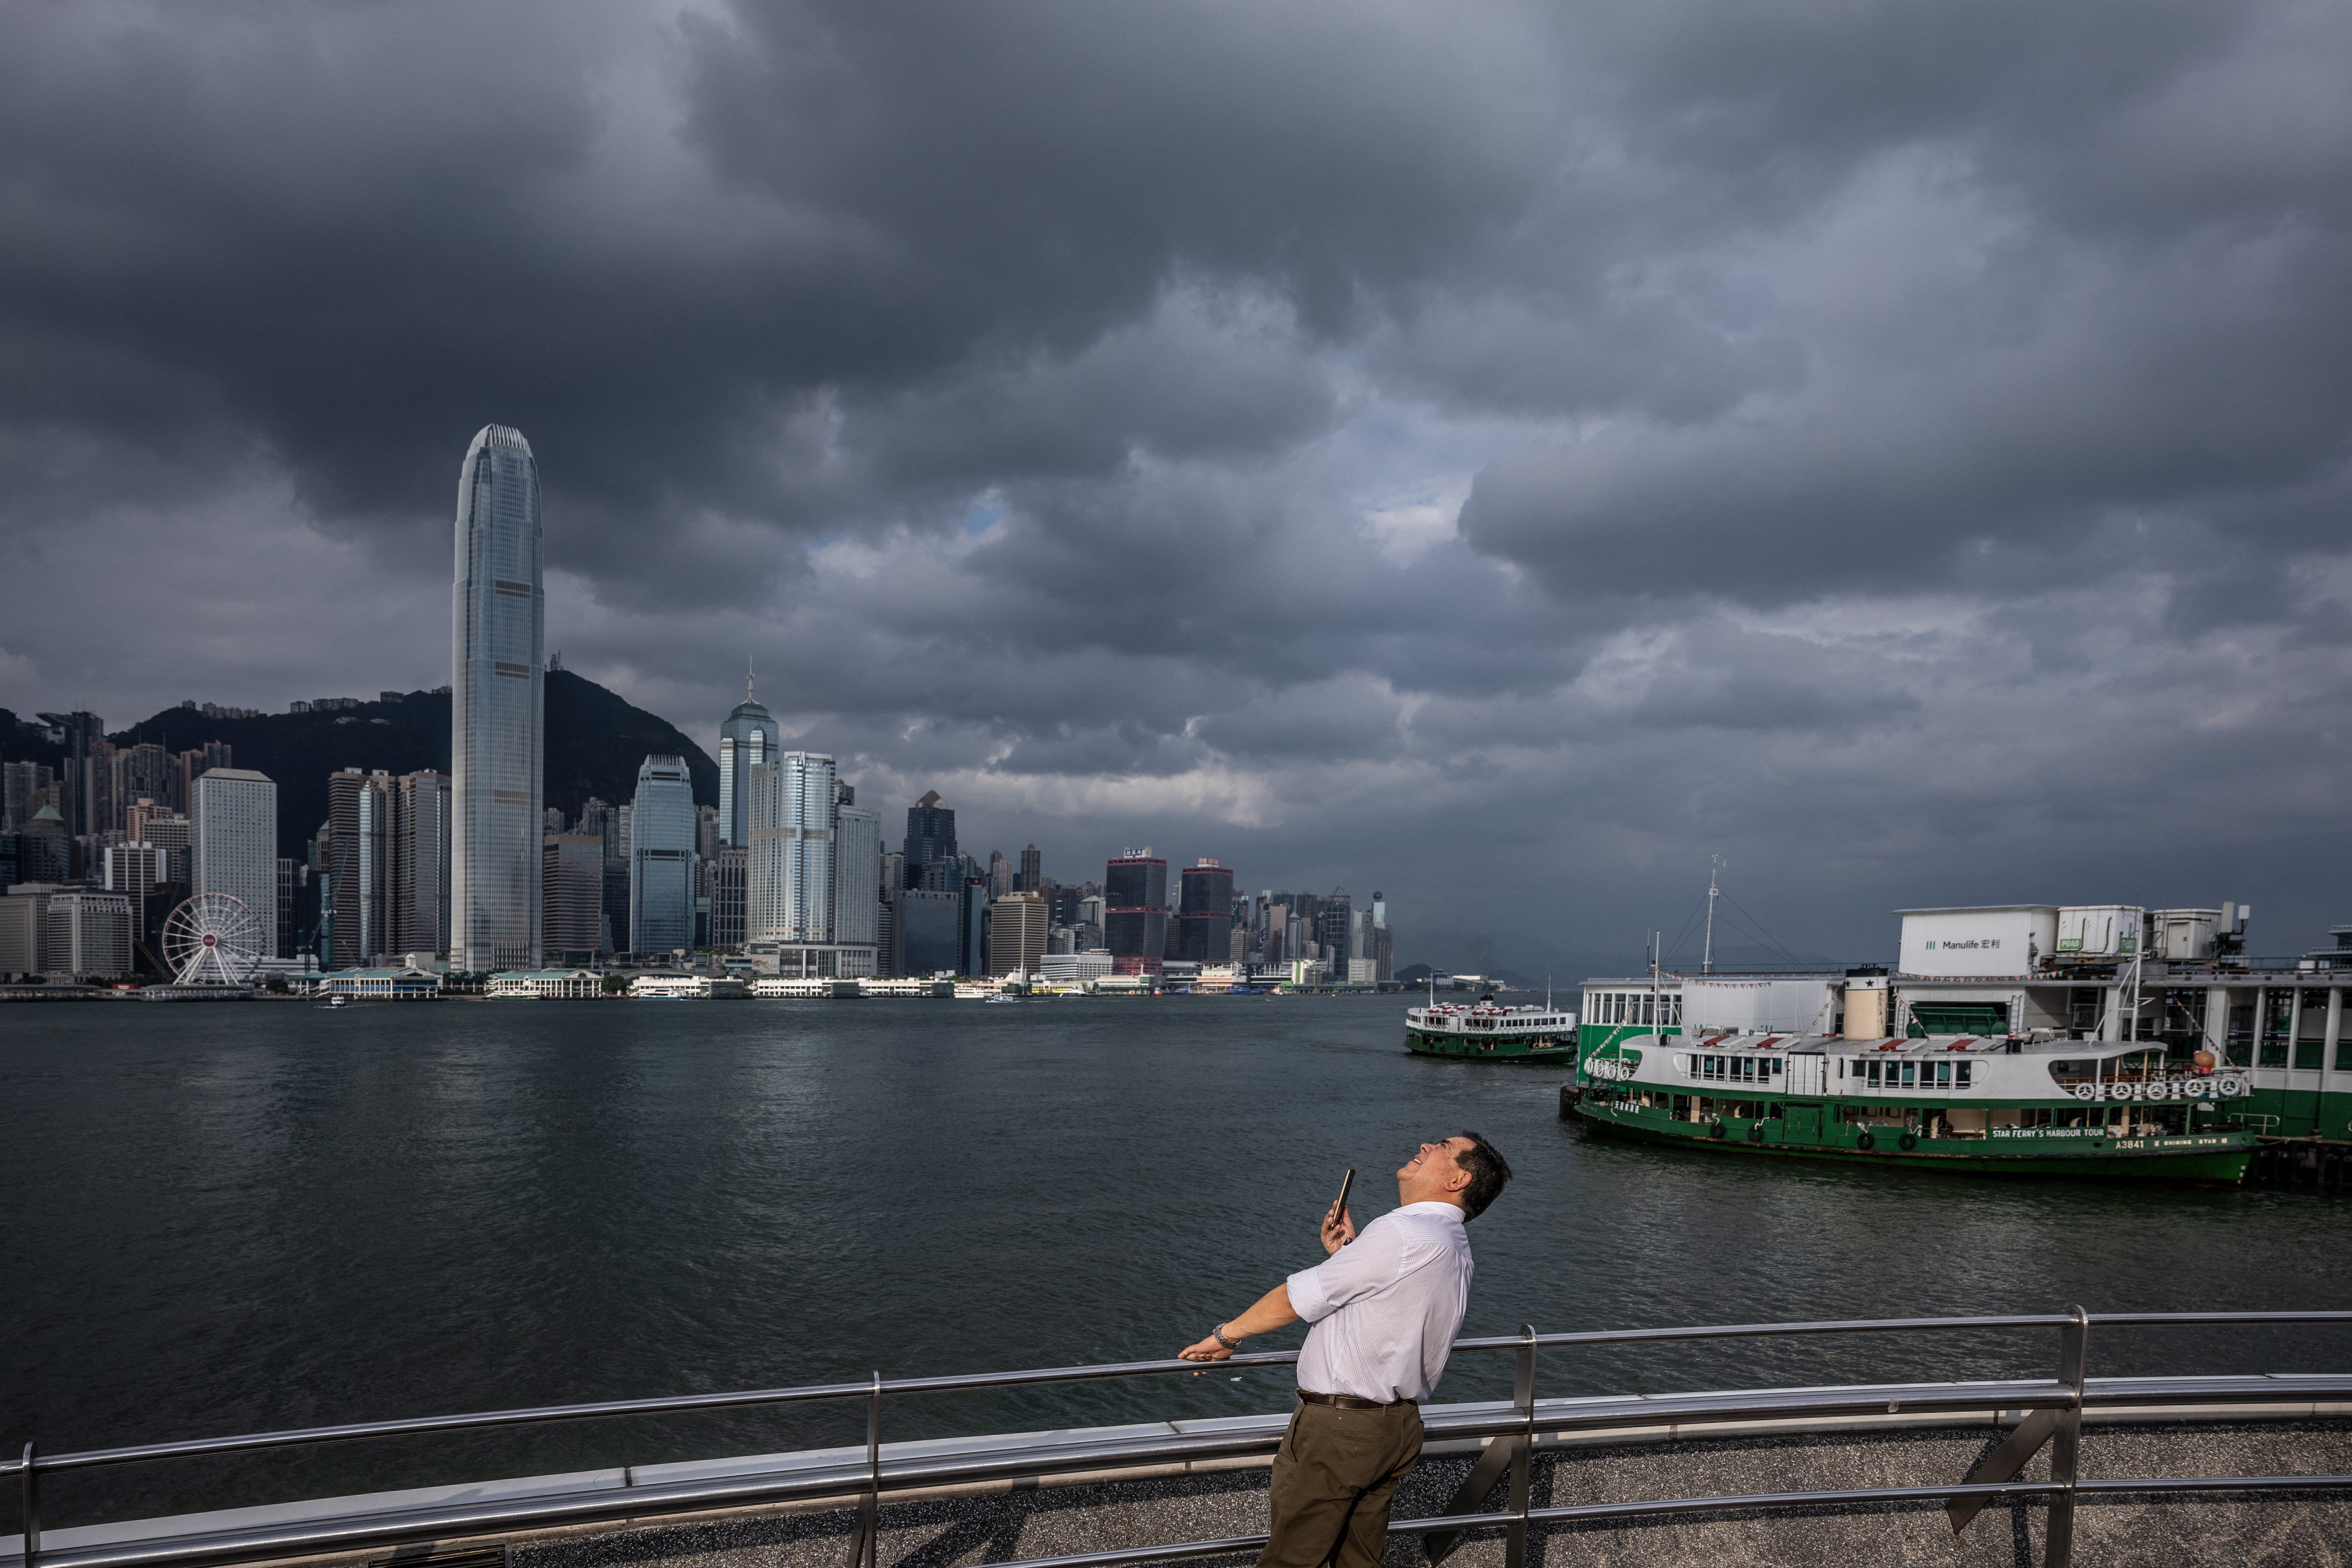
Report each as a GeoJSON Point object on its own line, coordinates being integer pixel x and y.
{"type": "Point", "coordinates": [572, 900]}
{"type": "Point", "coordinates": [1204, 913]}
{"type": "Point", "coordinates": [1135, 913]}
{"type": "Point", "coordinates": [1017, 933]}
{"type": "Point", "coordinates": [790, 897]}
{"type": "Point", "coordinates": [745, 741]}
{"type": "Point", "coordinates": [661, 857]}
{"type": "Point", "coordinates": [421, 891]}
{"type": "Point", "coordinates": [1032, 872]}
{"type": "Point", "coordinates": [234, 826]}
{"type": "Point", "coordinates": [498, 651]}
{"type": "Point", "coordinates": [360, 866]}
{"type": "Point", "coordinates": [856, 876]}
{"type": "Point", "coordinates": [930, 841]}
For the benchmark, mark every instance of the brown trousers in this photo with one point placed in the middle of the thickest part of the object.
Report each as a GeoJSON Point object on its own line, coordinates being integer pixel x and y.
{"type": "Point", "coordinates": [1333, 1478]}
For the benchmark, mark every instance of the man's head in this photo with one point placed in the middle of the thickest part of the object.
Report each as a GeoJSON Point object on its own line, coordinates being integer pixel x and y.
{"type": "Point", "coordinates": [1464, 1170]}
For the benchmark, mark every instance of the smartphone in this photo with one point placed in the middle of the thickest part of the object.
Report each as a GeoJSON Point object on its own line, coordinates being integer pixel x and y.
{"type": "Point", "coordinates": [1345, 1182]}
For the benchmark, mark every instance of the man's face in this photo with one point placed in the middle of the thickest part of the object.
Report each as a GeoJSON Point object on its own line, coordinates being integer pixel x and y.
{"type": "Point", "coordinates": [1433, 1172]}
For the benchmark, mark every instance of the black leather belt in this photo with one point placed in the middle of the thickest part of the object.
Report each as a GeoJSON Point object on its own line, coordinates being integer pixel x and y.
{"type": "Point", "coordinates": [1349, 1402]}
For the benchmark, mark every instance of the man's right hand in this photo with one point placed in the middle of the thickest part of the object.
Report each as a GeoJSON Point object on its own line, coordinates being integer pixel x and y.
{"type": "Point", "coordinates": [1338, 1229]}
{"type": "Point", "coordinates": [1209, 1349]}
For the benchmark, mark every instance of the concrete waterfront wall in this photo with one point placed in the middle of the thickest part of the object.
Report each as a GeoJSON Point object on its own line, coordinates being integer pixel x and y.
{"type": "Point", "coordinates": [2175, 1532]}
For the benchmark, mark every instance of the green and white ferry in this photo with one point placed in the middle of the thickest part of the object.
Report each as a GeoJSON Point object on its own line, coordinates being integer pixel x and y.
{"type": "Point", "coordinates": [1951, 1103]}
{"type": "Point", "coordinates": [1485, 1032]}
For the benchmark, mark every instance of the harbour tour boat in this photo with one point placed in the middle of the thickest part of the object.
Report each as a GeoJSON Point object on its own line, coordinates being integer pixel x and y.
{"type": "Point", "coordinates": [1488, 1033]}
{"type": "Point", "coordinates": [1951, 1103]}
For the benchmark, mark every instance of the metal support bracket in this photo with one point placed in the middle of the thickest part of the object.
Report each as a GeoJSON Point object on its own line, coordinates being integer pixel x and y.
{"type": "Point", "coordinates": [2062, 1429]}
{"type": "Point", "coordinates": [1514, 1453]}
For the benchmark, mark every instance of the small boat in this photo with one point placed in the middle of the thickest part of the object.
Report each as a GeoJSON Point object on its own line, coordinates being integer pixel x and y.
{"type": "Point", "coordinates": [339, 1002]}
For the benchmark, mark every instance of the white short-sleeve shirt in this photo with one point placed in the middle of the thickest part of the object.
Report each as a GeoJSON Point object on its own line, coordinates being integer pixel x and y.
{"type": "Point", "coordinates": [1386, 1306]}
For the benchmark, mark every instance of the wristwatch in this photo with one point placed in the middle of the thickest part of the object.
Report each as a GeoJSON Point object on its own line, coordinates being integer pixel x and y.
{"type": "Point", "coordinates": [1218, 1334]}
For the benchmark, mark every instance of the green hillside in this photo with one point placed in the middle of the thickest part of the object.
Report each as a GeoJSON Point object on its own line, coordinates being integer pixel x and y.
{"type": "Point", "coordinates": [594, 744]}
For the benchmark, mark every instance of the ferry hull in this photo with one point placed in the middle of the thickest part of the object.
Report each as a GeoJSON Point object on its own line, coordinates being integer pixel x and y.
{"type": "Point", "coordinates": [2213, 1159]}
{"type": "Point", "coordinates": [1470, 1048]}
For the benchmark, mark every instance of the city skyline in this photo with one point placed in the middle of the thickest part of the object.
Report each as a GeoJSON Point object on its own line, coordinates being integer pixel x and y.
{"type": "Point", "coordinates": [1515, 454]}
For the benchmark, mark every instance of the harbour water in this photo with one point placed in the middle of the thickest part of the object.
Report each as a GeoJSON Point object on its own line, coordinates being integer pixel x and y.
{"type": "Point", "coordinates": [239, 1218]}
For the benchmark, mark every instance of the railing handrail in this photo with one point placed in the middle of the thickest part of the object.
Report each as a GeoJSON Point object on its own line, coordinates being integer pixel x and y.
{"type": "Point", "coordinates": [808, 1393]}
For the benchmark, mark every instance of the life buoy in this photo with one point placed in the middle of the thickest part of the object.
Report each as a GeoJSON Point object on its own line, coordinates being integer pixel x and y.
{"type": "Point", "coordinates": [1908, 1141]}
{"type": "Point", "coordinates": [1716, 1131]}
{"type": "Point", "coordinates": [1867, 1141]}
{"type": "Point", "coordinates": [1756, 1133]}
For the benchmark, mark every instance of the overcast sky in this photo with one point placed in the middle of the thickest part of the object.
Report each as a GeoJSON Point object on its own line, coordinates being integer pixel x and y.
{"type": "Point", "coordinates": [1500, 455]}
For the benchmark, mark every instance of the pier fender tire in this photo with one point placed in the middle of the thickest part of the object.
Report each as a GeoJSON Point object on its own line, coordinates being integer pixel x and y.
{"type": "Point", "coordinates": [1908, 1141]}
{"type": "Point", "coordinates": [1756, 1133]}
{"type": "Point", "coordinates": [1867, 1141]}
{"type": "Point", "coordinates": [1716, 1131]}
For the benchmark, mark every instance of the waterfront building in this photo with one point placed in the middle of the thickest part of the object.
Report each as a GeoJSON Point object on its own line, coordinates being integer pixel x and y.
{"type": "Point", "coordinates": [728, 878]}
{"type": "Point", "coordinates": [234, 826]}
{"type": "Point", "coordinates": [498, 650]}
{"type": "Point", "coordinates": [1335, 930]}
{"type": "Point", "coordinates": [359, 818]}
{"type": "Point", "coordinates": [930, 843]}
{"type": "Point", "coordinates": [89, 934]}
{"type": "Point", "coordinates": [746, 741]}
{"type": "Point", "coordinates": [1017, 933]}
{"type": "Point", "coordinates": [661, 857]}
{"type": "Point", "coordinates": [1071, 968]}
{"type": "Point", "coordinates": [394, 983]}
{"type": "Point", "coordinates": [790, 896]}
{"type": "Point", "coordinates": [1135, 911]}
{"type": "Point", "coordinates": [548, 984]}
{"type": "Point", "coordinates": [24, 928]}
{"type": "Point", "coordinates": [856, 875]}
{"type": "Point", "coordinates": [571, 892]}
{"type": "Point", "coordinates": [293, 891]}
{"type": "Point", "coordinates": [924, 926]}
{"type": "Point", "coordinates": [1205, 912]}
{"type": "Point", "coordinates": [794, 903]}
{"type": "Point", "coordinates": [421, 804]}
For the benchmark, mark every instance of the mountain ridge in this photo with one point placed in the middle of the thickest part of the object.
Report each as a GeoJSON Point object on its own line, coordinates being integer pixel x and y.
{"type": "Point", "coordinates": [593, 741]}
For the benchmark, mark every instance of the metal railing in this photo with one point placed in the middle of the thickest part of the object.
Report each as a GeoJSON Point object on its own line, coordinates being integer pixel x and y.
{"type": "Point", "coordinates": [2053, 1408]}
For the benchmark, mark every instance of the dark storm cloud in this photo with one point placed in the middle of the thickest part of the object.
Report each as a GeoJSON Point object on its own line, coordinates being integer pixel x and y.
{"type": "Point", "coordinates": [1447, 448]}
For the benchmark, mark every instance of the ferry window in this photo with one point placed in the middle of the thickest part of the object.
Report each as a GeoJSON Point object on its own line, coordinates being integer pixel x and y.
{"type": "Point", "coordinates": [1908, 1074]}
{"type": "Point", "coordinates": [1964, 1069]}
{"type": "Point", "coordinates": [1943, 1075]}
{"type": "Point", "coordinates": [1675, 1008]}
{"type": "Point", "coordinates": [1874, 1074]}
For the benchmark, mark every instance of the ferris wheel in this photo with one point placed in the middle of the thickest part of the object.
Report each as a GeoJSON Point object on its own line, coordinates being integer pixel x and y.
{"type": "Point", "coordinates": [212, 939]}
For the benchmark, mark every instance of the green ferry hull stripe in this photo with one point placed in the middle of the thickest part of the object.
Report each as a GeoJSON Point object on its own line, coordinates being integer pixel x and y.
{"type": "Point", "coordinates": [2220, 1157]}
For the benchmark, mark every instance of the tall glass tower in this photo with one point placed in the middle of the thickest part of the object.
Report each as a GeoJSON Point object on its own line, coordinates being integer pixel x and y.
{"type": "Point", "coordinates": [661, 857]}
{"type": "Point", "coordinates": [789, 894]}
{"type": "Point", "coordinates": [498, 644]}
{"type": "Point", "coordinates": [745, 743]}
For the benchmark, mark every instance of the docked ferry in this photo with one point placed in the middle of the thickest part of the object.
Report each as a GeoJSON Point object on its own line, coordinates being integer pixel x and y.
{"type": "Point", "coordinates": [1967, 1103]}
{"type": "Point", "coordinates": [1484, 1031]}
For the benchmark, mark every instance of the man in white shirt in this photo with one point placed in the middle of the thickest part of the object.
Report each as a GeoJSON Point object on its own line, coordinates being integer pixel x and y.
{"type": "Point", "coordinates": [1386, 1306]}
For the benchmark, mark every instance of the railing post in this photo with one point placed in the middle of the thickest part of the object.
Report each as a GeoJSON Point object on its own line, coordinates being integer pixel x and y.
{"type": "Point", "coordinates": [1523, 1463]}
{"type": "Point", "coordinates": [31, 1510]}
{"type": "Point", "coordinates": [865, 1548]}
{"type": "Point", "coordinates": [2066, 1442]}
